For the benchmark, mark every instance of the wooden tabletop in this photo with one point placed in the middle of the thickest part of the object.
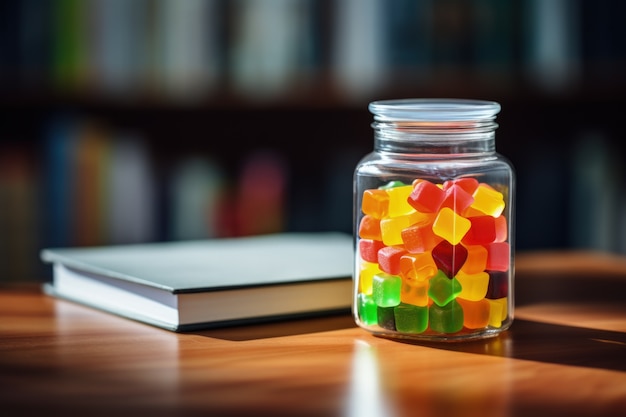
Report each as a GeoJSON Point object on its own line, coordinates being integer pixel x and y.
{"type": "Point", "coordinates": [565, 355]}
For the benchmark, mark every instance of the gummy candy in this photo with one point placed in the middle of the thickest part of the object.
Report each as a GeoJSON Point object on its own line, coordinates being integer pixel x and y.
{"type": "Point", "coordinates": [391, 228]}
{"type": "Point", "coordinates": [498, 256]}
{"type": "Point", "coordinates": [375, 203]}
{"type": "Point", "coordinates": [386, 317]}
{"type": "Point", "coordinates": [450, 225]}
{"type": "Point", "coordinates": [426, 196]}
{"type": "Point", "coordinates": [386, 290]}
{"type": "Point", "coordinates": [415, 293]}
{"type": "Point", "coordinates": [475, 313]}
{"type": "Point", "coordinates": [481, 232]}
{"type": "Point", "coordinates": [488, 200]}
{"type": "Point", "coordinates": [419, 237]}
{"type": "Point", "coordinates": [449, 258]}
{"type": "Point", "coordinates": [476, 259]}
{"type": "Point", "coordinates": [389, 259]}
{"type": "Point", "coordinates": [498, 285]}
{"type": "Point", "coordinates": [498, 311]}
{"type": "Point", "coordinates": [418, 267]}
{"type": "Point", "coordinates": [410, 318]}
{"type": "Point", "coordinates": [457, 198]}
{"type": "Point", "coordinates": [369, 228]}
{"type": "Point", "coordinates": [501, 229]}
{"type": "Point", "coordinates": [442, 290]}
{"type": "Point", "coordinates": [369, 248]}
{"type": "Point", "coordinates": [474, 286]}
{"type": "Point", "coordinates": [468, 184]}
{"type": "Point", "coordinates": [366, 276]}
{"type": "Point", "coordinates": [367, 309]}
{"type": "Point", "coordinates": [398, 204]}
{"type": "Point", "coordinates": [446, 319]}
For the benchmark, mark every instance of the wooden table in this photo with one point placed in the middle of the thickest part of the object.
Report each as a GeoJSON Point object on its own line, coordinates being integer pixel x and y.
{"type": "Point", "coordinates": [565, 355]}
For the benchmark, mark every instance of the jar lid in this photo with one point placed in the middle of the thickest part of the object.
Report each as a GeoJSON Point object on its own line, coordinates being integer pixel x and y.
{"type": "Point", "coordinates": [433, 110]}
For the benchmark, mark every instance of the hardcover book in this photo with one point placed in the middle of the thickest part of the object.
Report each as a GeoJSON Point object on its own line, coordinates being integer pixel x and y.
{"type": "Point", "coordinates": [187, 285]}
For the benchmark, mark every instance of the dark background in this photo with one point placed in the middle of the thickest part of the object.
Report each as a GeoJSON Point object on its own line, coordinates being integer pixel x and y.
{"type": "Point", "coordinates": [225, 102]}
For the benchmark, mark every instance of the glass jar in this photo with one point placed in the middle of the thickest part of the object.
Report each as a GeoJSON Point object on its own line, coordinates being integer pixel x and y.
{"type": "Point", "coordinates": [433, 212]}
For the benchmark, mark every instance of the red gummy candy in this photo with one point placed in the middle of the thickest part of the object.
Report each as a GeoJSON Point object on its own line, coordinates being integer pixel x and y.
{"type": "Point", "coordinates": [498, 256]}
{"type": "Point", "coordinates": [389, 259]}
{"type": "Point", "coordinates": [482, 231]}
{"type": "Point", "coordinates": [457, 198]}
{"type": "Point", "coordinates": [368, 248]}
{"type": "Point", "coordinates": [468, 184]}
{"type": "Point", "coordinates": [426, 197]}
{"type": "Point", "coordinates": [449, 258]}
{"type": "Point", "coordinates": [498, 285]}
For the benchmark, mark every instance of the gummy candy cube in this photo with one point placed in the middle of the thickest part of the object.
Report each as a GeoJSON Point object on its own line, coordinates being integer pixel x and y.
{"type": "Point", "coordinates": [386, 290]}
{"type": "Point", "coordinates": [475, 313]}
{"type": "Point", "coordinates": [474, 286]}
{"type": "Point", "coordinates": [398, 204]}
{"type": "Point", "coordinates": [415, 293]}
{"type": "Point", "coordinates": [419, 236]}
{"type": "Point", "coordinates": [481, 232]}
{"type": "Point", "coordinates": [476, 259]}
{"type": "Point", "coordinates": [391, 228]}
{"type": "Point", "coordinates": [418, 267]}
{"type": "Point", "coordinates": [375, 203]}
{"type": "Point", "coordinates": [449, 258]}
{"type": "Point", "coordinates": [498, 311]}
{"type": "Point", "coordinates": [410, 318]}
{"type": "Point", "coordinates": [369, 228]}
{"type": "Point", "coordinates": [501, 229]}
{"type": "Point", "coordinates": [389, 259]}
{"type": "Point", "coordinates": [468, 184]}
{"type": "Point", "coordinates": [498, 256]}
{"type": "Point", "coordinates": [498, 285]}
{"type": "Point", "coordinates": [369, 248]}
{"type": "Point", "coordinates": [457, 198]}
{"type": "Point", "coordinates": [367, 270]}
{"type": "Point", "coordinates": [442, 289]}
{"type": "Point", "coordinates": [367, 309]}
{"type": "Point", "coordinates": [386, 317]}
{"type": "Point", "coordinates": [450, 225]}
{"type": "Point", "coordinates": [446, 319]}
{"type": "Point", "coordinates": [426, 196]}
{"type": "Point", "coordinates": [488, 200]}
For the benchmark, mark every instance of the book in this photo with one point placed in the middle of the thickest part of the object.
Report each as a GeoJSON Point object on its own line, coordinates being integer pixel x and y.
{"type": "Point", "coordinates": [189, 285]}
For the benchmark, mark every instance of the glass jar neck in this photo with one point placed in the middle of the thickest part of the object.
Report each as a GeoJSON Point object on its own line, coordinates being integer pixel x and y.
{"type": "Point", "coordinates": [449, 138]}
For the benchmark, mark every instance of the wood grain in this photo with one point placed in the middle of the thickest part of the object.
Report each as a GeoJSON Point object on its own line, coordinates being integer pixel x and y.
{"type": "Point", "coordinates": [563, 356]}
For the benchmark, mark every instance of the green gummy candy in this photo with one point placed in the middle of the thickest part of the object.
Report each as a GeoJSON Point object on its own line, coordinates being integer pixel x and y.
{"type": "Point", "coordinates": [446, 319]}
{"type": "Point", "coordinates": [442, 289]}
{"type": "Point", "coordinates": [410, 318]}
{"type": "Point", "coordinates": [367, 310]}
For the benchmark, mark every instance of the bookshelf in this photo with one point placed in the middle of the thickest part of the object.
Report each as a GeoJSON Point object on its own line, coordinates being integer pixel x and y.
{"type": "Point", "coordinates": [143, 121]}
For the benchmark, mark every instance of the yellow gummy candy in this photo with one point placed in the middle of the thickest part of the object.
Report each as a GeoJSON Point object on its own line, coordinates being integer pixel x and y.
{"type": "Point", "coordinates": [366, 276]}
{"type": "Point", "coordinates": [488, 200]}
{"type": "Point", "coordinates": [391, 228]}
{"type": "Point", "coordinates": [398, 197]}
{"type": "Point", "coordinates": [498, 311]}
{"type": "Point", "coordinates": [451, 226]}
{"type": "Point", "coordinates": [474, 286]}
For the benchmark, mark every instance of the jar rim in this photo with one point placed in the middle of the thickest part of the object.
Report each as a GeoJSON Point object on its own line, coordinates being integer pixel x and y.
{"type": "Point", "coordinates": [434, 110]}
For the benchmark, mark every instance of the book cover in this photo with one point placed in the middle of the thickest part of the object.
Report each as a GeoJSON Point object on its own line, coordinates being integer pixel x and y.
{"type": "Point", "coordinates": [186, 285]}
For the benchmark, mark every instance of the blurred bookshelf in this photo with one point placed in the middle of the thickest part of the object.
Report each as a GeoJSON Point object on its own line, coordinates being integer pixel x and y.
{"type": "Point", "coordinates": [156, 120]}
